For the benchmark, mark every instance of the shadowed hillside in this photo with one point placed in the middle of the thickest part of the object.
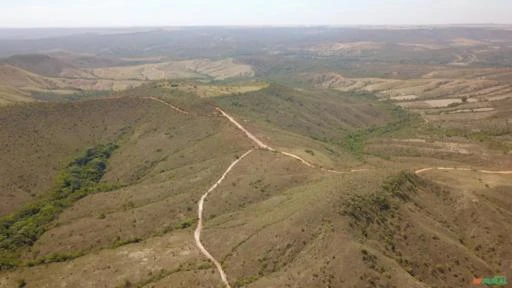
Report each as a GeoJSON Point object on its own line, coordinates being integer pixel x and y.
{"type": "Point", "coordinates": [39, 64]}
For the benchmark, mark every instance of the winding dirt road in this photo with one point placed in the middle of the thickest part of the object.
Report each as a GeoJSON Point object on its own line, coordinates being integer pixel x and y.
{"type": "Point", "coordinates": [261, 145]}
{"type": "Point", "coordinates": [200, 204]}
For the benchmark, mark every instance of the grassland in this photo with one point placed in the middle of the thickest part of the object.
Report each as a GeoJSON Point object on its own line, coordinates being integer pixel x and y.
{"type": "Point", "coordinates": [144, 162]}
{"type": "Point", "coordinates": [202, 69]}
{"type": "Point", "coordinates": [273, 219]}
{"type": "Point", "coordinates": [383, 104]}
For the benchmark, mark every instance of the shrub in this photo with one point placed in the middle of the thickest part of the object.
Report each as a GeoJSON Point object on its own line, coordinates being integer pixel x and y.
{"type": "Point", "coordinates": [187, 223]}
{"type": "Point", "coordinates": [22, 283]}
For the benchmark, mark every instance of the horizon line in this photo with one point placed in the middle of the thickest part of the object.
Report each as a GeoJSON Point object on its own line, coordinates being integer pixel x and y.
{"type": "Point", "coordinates": [481, 24]}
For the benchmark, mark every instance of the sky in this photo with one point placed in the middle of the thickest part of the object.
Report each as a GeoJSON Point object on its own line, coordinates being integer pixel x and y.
{"type": "Point", "coordinates": [114, 13]}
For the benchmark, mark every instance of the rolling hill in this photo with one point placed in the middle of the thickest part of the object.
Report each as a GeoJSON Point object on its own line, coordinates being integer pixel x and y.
{"type": "Point", "coordinates": [273, 221]}
{"type": "Point", "coordinates": [257, 157]}
{"type": "Point", "coordinates": [60, 78]}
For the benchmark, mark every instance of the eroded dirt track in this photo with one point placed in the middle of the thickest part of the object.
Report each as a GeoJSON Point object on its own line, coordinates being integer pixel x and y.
{"type": "Point", "coordinates": [199, 228]}
{"type": "Point", "coordinates": [423, 170]}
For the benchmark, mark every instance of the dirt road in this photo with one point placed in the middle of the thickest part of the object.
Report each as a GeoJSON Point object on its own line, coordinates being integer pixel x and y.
{"type": "Point", "coordinates": [169, 105]}
{"type": "Point", "coordinates": [423, 170]}
{"type": "Point", "coordinates": [262, 145]}
{"type": "Point", "coordinates": [197, 233]}
{"type": "Point", "coordinates": [249, 134]}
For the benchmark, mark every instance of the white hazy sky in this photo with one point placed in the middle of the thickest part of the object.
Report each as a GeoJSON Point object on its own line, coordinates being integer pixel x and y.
{"type": "Point", "coordinates": [94, 13]}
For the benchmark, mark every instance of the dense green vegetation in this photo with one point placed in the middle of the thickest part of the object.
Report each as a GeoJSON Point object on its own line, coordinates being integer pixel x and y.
{"type": "Point", "coordinates": [81, 177]}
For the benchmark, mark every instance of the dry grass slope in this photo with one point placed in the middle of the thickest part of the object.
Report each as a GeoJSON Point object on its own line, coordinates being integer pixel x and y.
{"type": "Point", "coordinates": [201, 69]}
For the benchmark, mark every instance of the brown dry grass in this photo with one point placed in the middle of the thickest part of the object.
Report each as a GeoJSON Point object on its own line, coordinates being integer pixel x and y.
{"type": "Point", "coordinates": [9, 95]}
{"type": "Point", "coordinates": [201, 68]}
{"type": "Point", "coordinates": [171, 255]}
{"type": "Point", "coordinates": [214, 90]}
{"type": "Point", "coordinates": [340, 48]}
{"type": "Point", "coordinates": [483, 95]}
{"type": "Point", "coordinates": [273, 221]}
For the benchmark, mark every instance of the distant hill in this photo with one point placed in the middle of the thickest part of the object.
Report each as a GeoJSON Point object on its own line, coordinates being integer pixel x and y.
{"type": "Point", "coordinates": [63, 74]}
{"type": "Point", "coordinates": [37, 63]}
{"type": "Point", "coordinates": [17, 77]}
